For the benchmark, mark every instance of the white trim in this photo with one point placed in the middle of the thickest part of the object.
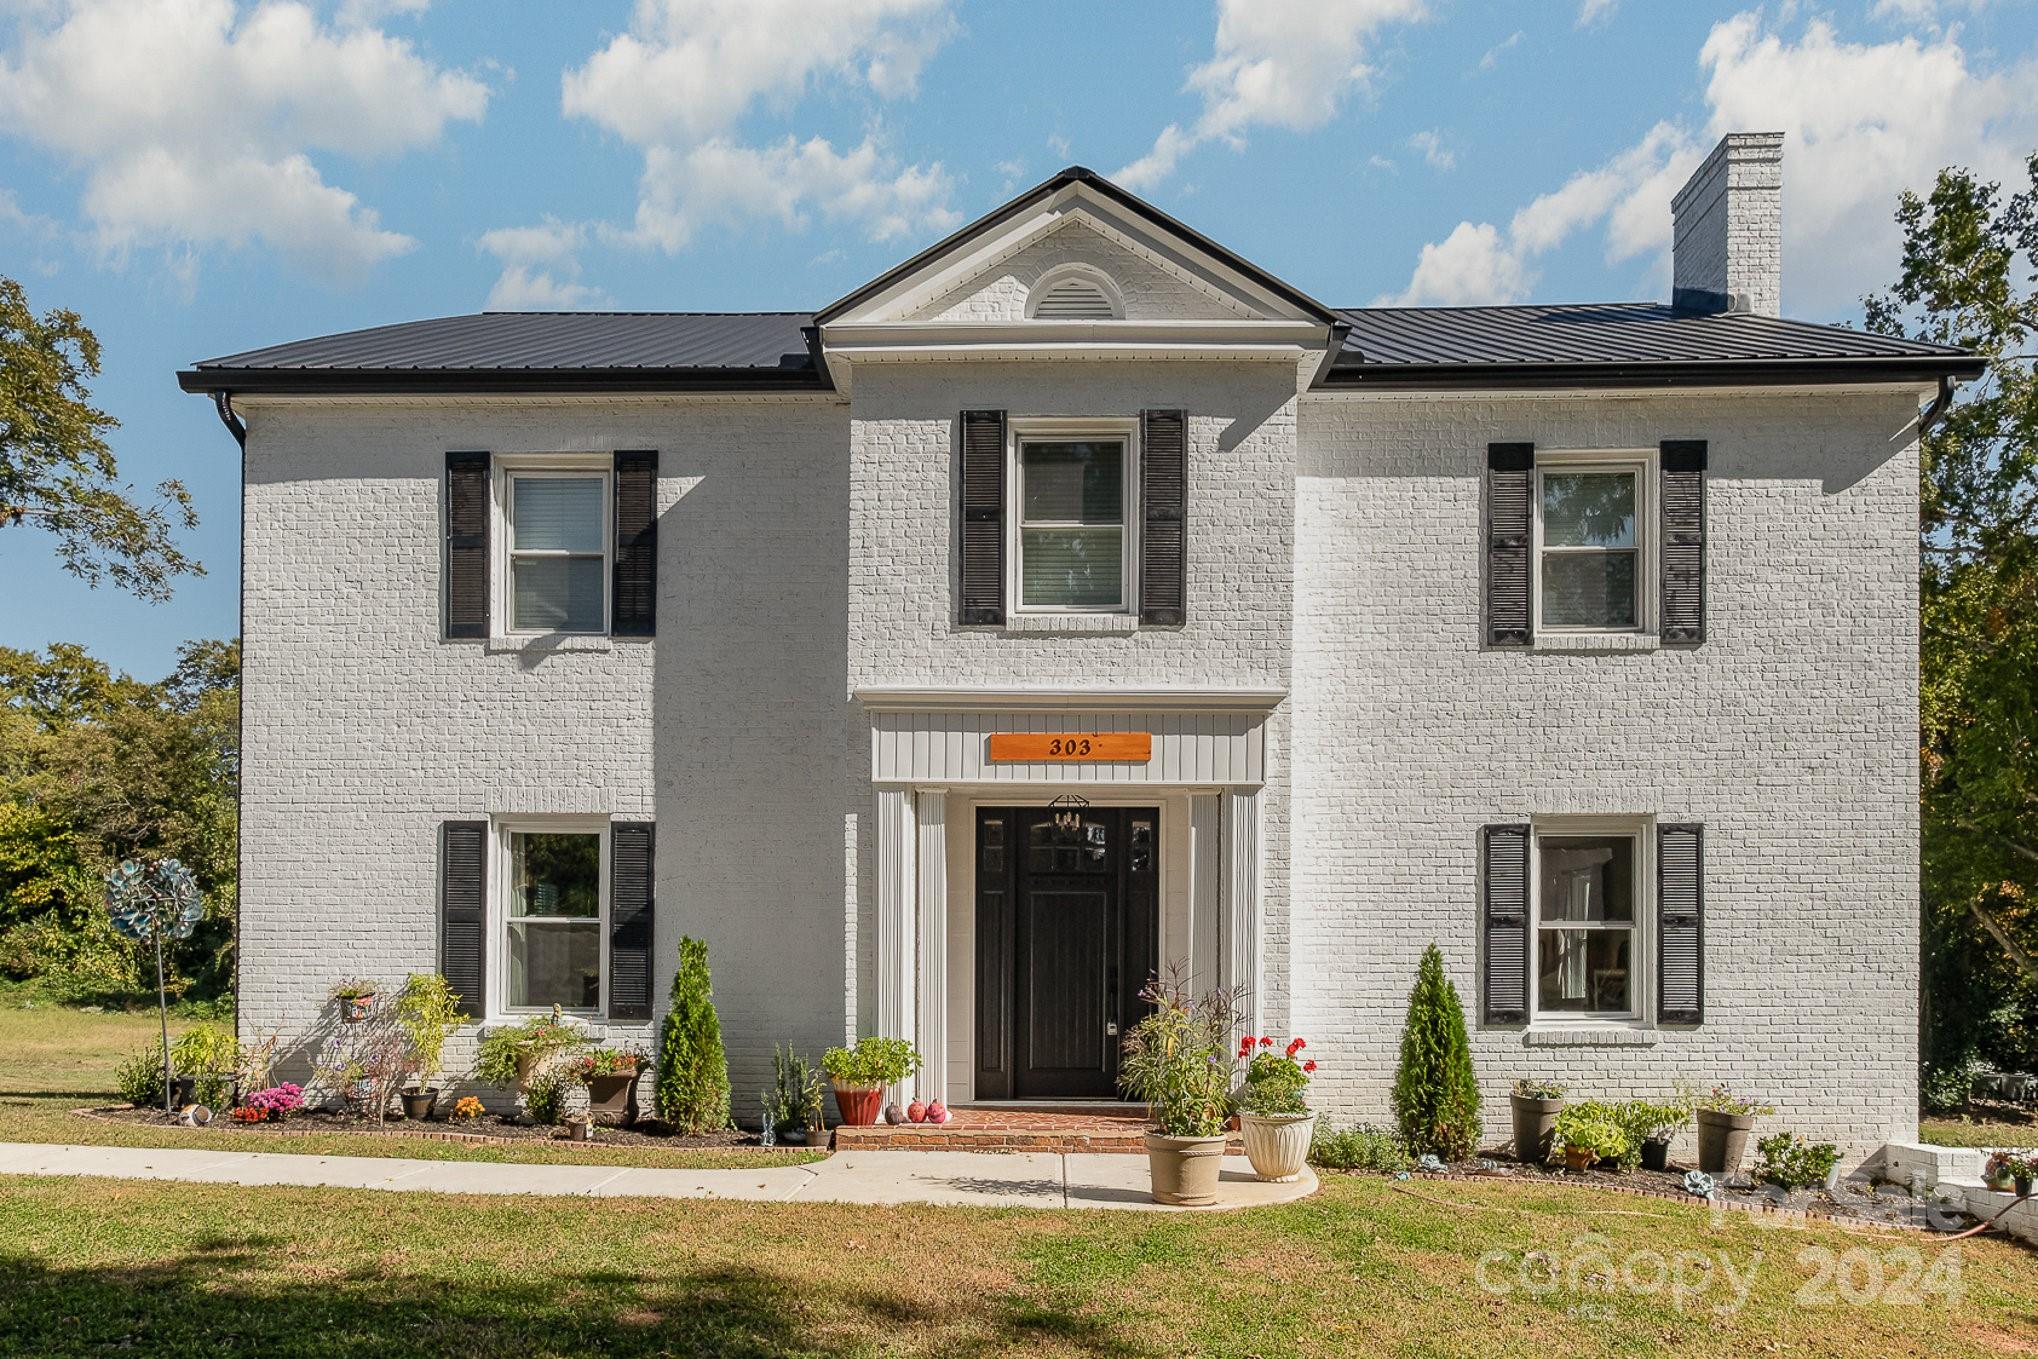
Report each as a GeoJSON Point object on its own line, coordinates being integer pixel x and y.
{"type": "Point", "coordinates": [1641, 464]}
{"type": "Point", "coordinates": [1642, 967]}
{"type": "Point", "coordinates": [495, 958]}
{"type": "Point", "coordinates": [506, 468]}
{"type": "Point", "coordinates": [1206, 891]}
{"type": "Point", "coordinates": [880, 697]}
{"type": "Point", "coordinates": [1022, 430]}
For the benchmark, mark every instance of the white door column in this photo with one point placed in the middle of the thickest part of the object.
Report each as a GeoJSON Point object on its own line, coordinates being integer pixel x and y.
{"type": "Point", "coordinates": [897, 882]}
{"type": "Point", "coordinates": [931, 807]}
{"type": "Point", "coordinates": [1239, 924]}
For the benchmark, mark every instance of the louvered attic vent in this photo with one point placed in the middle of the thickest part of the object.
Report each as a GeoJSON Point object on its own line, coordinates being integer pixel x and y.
{"type": "Point", "coordinates": [1073, 299]}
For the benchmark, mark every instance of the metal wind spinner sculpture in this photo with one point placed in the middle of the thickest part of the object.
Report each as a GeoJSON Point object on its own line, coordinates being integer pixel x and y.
{"type": "Point", "coordinates": [153, 902]}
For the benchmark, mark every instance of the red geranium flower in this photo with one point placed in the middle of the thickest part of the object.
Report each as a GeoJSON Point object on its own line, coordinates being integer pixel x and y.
{"type": "Point", "coordinates": [1266, 1042]}
{"type": "Point", "coordinates": [1309, 1065]}
{"type": "Point", "coordinates": [1294, 1046]}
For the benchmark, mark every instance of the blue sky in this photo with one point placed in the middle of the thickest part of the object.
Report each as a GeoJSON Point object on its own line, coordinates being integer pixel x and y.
{"type": "Point", "coordinates": [199, 176]}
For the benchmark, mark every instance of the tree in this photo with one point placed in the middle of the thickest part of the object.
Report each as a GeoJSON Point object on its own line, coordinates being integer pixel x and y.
{"type": "Point", "coordinates": [56, 470]}
{"type": "Point", "coordinates": [1436, 1094]}
{"type": "Point", "coordinates": [693, 1071]}
{"type": "Point", "coordinates": [1970, 258]}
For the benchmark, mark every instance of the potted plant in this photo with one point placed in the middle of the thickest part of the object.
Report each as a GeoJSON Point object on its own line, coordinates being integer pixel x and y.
{"type": "Point", "coordinates": [2019, 1170]}
{"type": "Point", "coordinates": [1586, 1135]}
{"type": "Point", "coordinates": [1652, 1127]}
{"type": "Point", "coordinates": [509, 1054]}
{"type": "Point", "coordinates": [1535, 1106]}
{"type": "Point", "coordinates": [1273, 1109]}
{"type": "Point", "coordinates": [1725, 1121]}
{"type": "Point", "coordinates": [610, 1075]}
{"type": "Point", "coordinates": [1791, 1162]}
{"type": "Point", "coordinates": [860, 1075]}
{"type": "Point", "coordinates": [792, 1107]}
{"type": "Point", "coordinates": [427, 1010]}
{"type": "Point", "coordinates": [207, 1055]}
{"type": "Point", "coordinates": [1178, 1062]}
{"type": "Point", "coordinates": [356, 997]}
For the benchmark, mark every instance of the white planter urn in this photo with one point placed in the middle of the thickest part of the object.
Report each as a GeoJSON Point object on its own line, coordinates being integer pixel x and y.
{"type": "Point", "coordinates": [1278, 1144]}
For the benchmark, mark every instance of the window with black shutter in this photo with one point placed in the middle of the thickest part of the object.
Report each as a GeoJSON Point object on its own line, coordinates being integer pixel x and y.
{"type": "Point", "coordinates": [1510, 479]}
{"type": "Point", "coordinates": [634, 612]}
{"type": "Point", "coordinates": [1683, 532]}
{"type": "Point", "coordinates": [1163, 545]}
{"type": "Point", "coordinates": [1506, 888]}
{"type": "Point", "coordinates": [631, 908]}
{"type": "Point", "coordinates": [1680, 923]}
{"type": "Point", "coordinates": [981, 534]}
{"type": "Point", "coordinates": [463, 912]}
{"type": "Point", "coordinates": [469, 509]}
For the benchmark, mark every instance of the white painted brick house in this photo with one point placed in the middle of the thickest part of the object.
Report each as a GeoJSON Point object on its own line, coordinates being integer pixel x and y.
{"type": "Point", "coordinates": [1078, 599]}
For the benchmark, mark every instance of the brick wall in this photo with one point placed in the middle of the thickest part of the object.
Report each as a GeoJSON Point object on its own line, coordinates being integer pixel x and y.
{"type": "Point", "coordinates": [1790, 733]}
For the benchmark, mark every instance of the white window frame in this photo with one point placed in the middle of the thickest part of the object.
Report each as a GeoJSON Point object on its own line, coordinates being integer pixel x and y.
{"type": "Point", "coordinates": [1056, 429]}
{"type": "Point", "coordinates": [502, 885]}
{"type": "Point", "coordinates": [1642, 463]}
{"type": "Point", "coordinates": [509, 467]}
{"type": "Point", "coordinates": [1642, 981]}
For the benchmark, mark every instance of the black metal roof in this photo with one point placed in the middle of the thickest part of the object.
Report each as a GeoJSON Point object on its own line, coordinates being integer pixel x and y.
{"type": "Point", "coordinates": [535, 350]}
{"type": "Point", "coordinates": [1607, 344]}
{"type": "Point", "coordinates": [1616, 342]}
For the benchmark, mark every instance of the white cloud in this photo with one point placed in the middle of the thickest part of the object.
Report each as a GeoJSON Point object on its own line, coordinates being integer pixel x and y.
{"type": "Point", "coordinates": [1846, 157]}
{"type": "Point", "coordinates": [790, 183]}
{"type": "Point", "coordinates": [541, 267]}
{"type": "Point", "coordinates": [1592, 12]}
{"type": "Point", "coordinates": [686, 75]}
{"type": "Point", "coordinates": [374, 11]}
{"type": "Point", "coordinates": [1431, 145]}
{"type": "Point", "coordinates": [1276, 63]}
{"type": "Point", "coordinates": [194, 122]}
{"type": "Point", "coordinates": [1921, 12]}
{"type": "Point", "coordinates": [1500, 49]}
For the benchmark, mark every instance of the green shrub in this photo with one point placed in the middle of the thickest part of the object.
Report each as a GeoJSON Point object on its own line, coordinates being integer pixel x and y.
{"type": "Point", "coordinates": [1597, 1127]}
{"type": "Point", "coordinates": [1946, 1087]}
{"type": "Point", "coordinates": [872, 1062]}
{"type": "Point", "coordinates": [1178, 1059]}
{"type": "Point", "coordinates": [1791, 1162]}
{"type": "Point", "coordinates": [1436, 1094]}
{"type": "Point", "coordinates": [693, 1071]}
{"type": "Point", "coordinates": [139, 1079]}
{"type": "Point", "coordinates": [545, 1096]}
{"type": "Point", "coordinates": [540, 1037]}
{"type": "Point", "coordinates": [1360, 1148]}
{"type": "Point", "coordinates": [78, 961]}
{"type": "Point", "coordinates": [794, 1101]}
{"type": "Point", "coordinates": [427, 1010]}
{"type": "Point", "coordinates": [211, 1055]}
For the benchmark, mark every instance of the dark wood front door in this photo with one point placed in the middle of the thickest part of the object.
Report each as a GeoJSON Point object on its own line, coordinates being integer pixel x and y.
{"type": "Point", "coordinates": [1067, 934]}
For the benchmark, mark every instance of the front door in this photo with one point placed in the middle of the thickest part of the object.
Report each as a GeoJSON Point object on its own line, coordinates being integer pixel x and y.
{"type": "Point", "coordinates": [1067, 935]}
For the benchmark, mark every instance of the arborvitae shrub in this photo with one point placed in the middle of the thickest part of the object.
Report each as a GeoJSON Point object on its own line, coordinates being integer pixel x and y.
{"type": "Point", "coordinates": [1436, 1096]}
{"type": "Point", "coordinates": [693, 1071]}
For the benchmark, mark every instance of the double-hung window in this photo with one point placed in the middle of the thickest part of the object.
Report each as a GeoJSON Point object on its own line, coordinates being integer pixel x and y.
{"type": "Point", "coordinates": [1592, 565]}
{"type": "Point", "coordinates": [1073, 537]}
{"type": "Point", "coordinates": [1589, 890]}
{"type": "Point", "coordinates": [556, 521]}
{"type": "Point", "coordinates": [554, 917]}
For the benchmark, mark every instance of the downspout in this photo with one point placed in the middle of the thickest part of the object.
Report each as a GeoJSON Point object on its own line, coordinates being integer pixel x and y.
{"type": "Point", "coordinates": [1936, 412]}
{"type": "Point", "coordinates": [223, 402]}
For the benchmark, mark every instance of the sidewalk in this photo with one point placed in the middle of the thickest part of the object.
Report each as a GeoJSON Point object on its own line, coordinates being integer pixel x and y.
{"type": "Point", "coordinates": [1018, 1180]}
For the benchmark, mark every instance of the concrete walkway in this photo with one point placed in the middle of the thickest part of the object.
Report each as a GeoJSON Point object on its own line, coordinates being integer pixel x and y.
{"type": "Point", "coordinates": [1017, 1180]}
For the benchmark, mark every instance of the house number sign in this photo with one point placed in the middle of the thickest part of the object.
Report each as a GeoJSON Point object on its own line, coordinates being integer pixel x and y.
{"type": "Point", "coordinates": [1134, 747]}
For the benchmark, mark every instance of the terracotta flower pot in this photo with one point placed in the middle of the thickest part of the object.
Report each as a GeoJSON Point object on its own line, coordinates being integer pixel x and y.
{"type": "Point", "coordinates": [1184, 1169]}
{"type": "Point", "coordinates": [1578, 1158]}
{"type": "Point", "coordinates": [1723, 1141]}
{"type": "Point", "coordinates": [1535, 1124]}
{"type": "Point", "coordinates": [1278, 1144]}
{"type": "Point", "coordinates": [860, 1106]}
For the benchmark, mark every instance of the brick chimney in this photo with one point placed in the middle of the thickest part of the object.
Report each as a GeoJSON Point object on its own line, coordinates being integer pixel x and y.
{"type": "Point", "coordinates": [1727, 229]}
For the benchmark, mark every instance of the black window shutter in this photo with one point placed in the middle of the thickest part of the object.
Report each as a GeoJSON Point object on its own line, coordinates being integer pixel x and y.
{"type": "Point", "coordinates": [634, 610]}
{"type": "Point", "coordinates": [982, 532]}
{"type": "Point", "coordinates": [1680, 924]}
{"type": "Point", "coordinates": [467, 564]}
{"type": "Point", "coordinates": [630, 919]}
{"type": "Point", "coordinates": [1507, 924]}
{"type": "Point", "coordinates": [1683, 526]}
{"type": "Point", "coordinates": [463, 911]}
{"type": "Point", "coordinates": [1163, 498]}
{"type": "Point", "coordinates": [1510, 487]}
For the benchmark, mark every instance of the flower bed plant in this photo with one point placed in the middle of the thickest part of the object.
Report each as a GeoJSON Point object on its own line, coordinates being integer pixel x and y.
{"type": "Point", "coordinates": [1275, 1085]}
{"type": "Point", "coordinates": [1530, 1088]}
{"type": "Point", "coordinates": [506, 1054]}
{"type": "Point", "coordinates": [1592, 1132]}
{"type": "Point", "coordinates": [1791, 1162]}
{"type": "Point", "coordinates": [1360, 1148]}
{"type": "Point", "coordinates": [276, 1102]}
{"type": "Point", "coordinates": [606, 1062]}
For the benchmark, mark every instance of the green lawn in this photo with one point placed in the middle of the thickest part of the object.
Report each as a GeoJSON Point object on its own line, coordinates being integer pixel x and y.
{"type": "Point", "coordinates": [1367, 1265]}
{"type": "Point", "coordinates": [2001, 1126]}
{"type": "Point", "coordinates": [54, 1059]}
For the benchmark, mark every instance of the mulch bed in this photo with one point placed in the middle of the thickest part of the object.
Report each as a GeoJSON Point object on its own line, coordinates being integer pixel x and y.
{"type": "Point", "coordinates": [1856, 1200]}
{"type": "Point", "coordinates": [488, 1130]}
